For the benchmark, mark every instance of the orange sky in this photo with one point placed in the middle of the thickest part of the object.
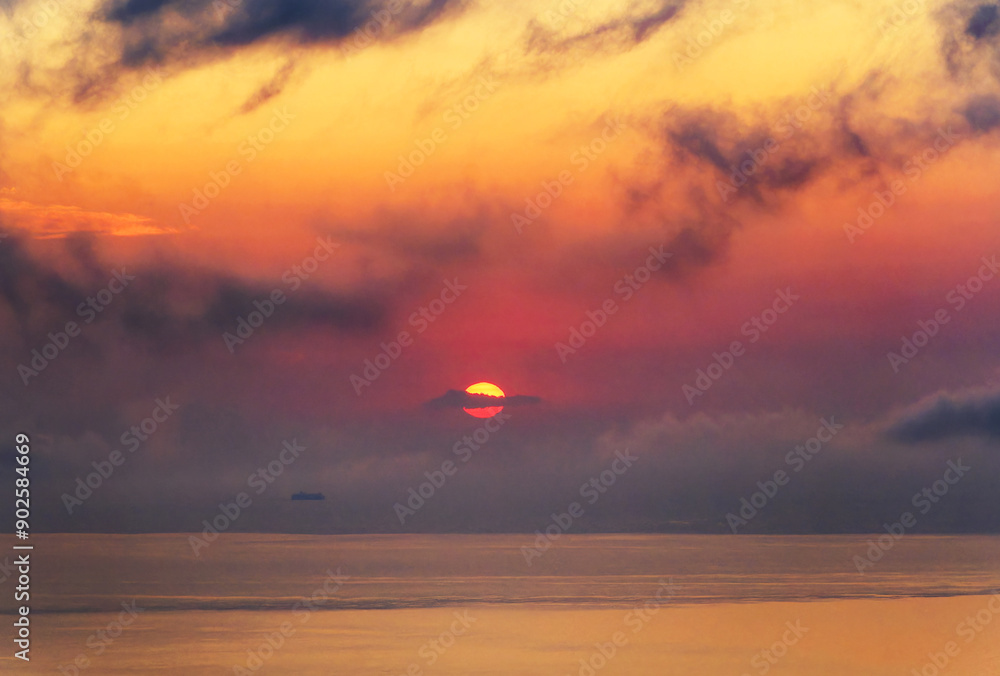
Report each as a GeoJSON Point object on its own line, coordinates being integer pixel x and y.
{"type": "Point", "coordinates": [554, 144]}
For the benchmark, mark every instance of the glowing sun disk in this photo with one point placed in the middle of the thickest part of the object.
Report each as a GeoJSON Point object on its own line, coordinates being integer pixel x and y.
{"type": "Point", "coordinates": [488, 389]}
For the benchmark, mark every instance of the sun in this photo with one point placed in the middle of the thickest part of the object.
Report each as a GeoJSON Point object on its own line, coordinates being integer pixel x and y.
{"type": "Point", "coordinates": [488, 389]}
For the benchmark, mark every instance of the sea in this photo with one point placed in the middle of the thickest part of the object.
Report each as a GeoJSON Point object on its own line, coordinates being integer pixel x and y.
{"type": "Point", "coordinates": [575, 605]}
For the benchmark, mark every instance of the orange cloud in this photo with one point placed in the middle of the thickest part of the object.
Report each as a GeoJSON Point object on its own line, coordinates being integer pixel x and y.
{"type": "Point", "coordinates": [46, 221]}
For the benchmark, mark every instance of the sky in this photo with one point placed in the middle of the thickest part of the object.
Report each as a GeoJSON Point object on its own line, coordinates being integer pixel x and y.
{"type": "Point", "coordinates": [263, 246]}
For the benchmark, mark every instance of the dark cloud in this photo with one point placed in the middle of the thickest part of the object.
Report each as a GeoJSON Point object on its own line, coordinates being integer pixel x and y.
{"type": "Point", "coordinates": [124, 38]}
{"type": "Point", "coordinates": [547, 37]}
{"type": "Point", "coordinates": [969, 40]}
{"type": "Point", "coordinates": [758, 160]}
{"type": "Point", "coordinates": [462, 399]}
{"type": "Point", "coordinates": [983, 113]}
{"type": "Point", "coordinates": [842, 132]}
{"type": "Point", "coordinates": [712, 160]}
{"type": "Point", "coordinates": [629, 30]}
{"type": "Point", "coordinates": [269, 90]}
{"type": "Point", "coordinates": [198, 28]}
{"type": "Point", "coordinates": [984, 22]}
{"type": "Point", "coordinates": [27, 284]}
{"type": "Point", "coordinates": [695, 246]}
{"type": "Point", "coordinates": [645, 26]}
{"type": "Point", "coordinates": [723, 141]}
{"type": "Point", "coordinates": [166, 307]}
{"type": "Point", "coordinates": [946, 416]}
{"type": "Point", "coordinates": [151, 310]}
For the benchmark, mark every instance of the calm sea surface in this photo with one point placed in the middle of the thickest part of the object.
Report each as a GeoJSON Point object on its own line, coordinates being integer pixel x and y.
{"type": "Point", "coordinates": [472, 604]}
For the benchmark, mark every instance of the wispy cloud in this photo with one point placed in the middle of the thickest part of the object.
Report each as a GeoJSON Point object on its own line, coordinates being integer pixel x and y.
{"type": "Point", "coordinates": [460, 399]}
{"type": "Point", "coordinates": [44, 221]}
